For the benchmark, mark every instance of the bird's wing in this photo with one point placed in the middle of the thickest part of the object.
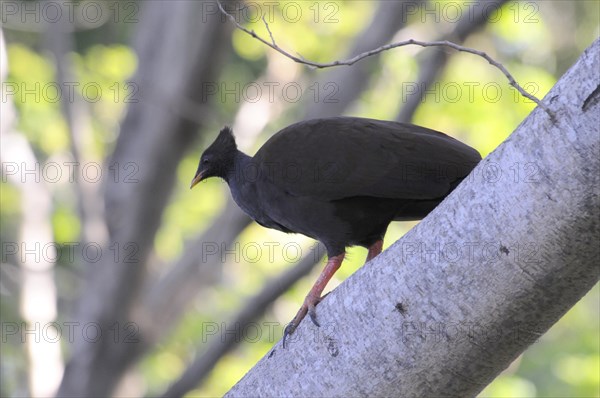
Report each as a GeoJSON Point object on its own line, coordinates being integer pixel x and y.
{"type": "Point", "coordinates": [343, 157]}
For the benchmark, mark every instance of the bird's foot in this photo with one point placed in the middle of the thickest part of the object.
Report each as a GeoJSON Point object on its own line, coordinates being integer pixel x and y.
{"type": "Point", "coordinates": [309, 307]}
{"type": "Point", "coordinates": [314, 296]}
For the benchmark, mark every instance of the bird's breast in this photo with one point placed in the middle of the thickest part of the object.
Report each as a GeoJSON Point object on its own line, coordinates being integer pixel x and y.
{"type": "Point", "coordinates": [261, 202]}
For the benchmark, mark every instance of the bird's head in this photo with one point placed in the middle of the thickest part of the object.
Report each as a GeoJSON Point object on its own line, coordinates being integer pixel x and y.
{"type": "Point", "coordinates": [218, 159]}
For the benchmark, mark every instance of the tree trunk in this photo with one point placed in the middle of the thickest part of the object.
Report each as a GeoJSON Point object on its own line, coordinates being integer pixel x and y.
{"type": "Point", "coordinates": [450, 305]}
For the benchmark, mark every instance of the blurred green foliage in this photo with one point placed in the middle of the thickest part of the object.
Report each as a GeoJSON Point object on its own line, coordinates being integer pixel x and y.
{"type": "Point", "coordinates": [564, 362]}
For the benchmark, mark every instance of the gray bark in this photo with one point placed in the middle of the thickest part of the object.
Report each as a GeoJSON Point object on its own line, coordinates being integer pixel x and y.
{"type": "Point", "coordinates": [450, 305]}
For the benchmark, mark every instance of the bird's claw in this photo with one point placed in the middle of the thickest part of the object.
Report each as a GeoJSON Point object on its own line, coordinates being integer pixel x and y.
{"type": "Point", "coordinates": [289, 329]}
{"type": "Point", "coordinates": [309, 306]}
{"type": "Point", "coordinates": [312, 312]}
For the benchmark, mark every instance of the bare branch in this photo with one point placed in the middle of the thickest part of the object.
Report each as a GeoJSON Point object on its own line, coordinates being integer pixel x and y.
{"type": "Point", "coordinates": [355, 59]}
{"type": "Point", "coordinates": [431, 66]}
{"type": "Point", "coordinates": [268, 30]}
{"type": "Point", "coordinates": [389, 18]}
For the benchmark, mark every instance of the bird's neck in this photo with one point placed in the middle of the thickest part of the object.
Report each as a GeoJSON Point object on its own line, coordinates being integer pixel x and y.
{"type": "Point", "coordinates": [242, 178]}
{"type": "Point", "coordinates": [238, 168]}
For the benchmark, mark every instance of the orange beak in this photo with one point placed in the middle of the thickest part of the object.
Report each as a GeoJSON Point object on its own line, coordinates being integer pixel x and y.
{"type": "Point", "coordinates": [197, 178]}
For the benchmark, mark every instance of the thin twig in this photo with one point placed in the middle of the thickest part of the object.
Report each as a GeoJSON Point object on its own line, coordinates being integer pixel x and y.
{"type": "Point", "coordinates": [355, 59]}
{"type": "Point", "coordinates": [430, 67]}
{"type": "Point", "coordinates": [269, 30]}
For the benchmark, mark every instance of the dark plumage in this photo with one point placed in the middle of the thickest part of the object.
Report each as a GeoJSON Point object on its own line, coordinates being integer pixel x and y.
{"type": "Point", "coordinates": [341, 181]}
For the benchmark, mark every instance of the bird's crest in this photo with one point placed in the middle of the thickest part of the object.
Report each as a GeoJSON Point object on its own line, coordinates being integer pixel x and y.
{"type": "Point", "coordinates": [225, 140]}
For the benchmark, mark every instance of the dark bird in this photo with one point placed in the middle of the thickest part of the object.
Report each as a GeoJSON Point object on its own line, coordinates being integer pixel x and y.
{"type": "Point", "coordinates": [339, 180]}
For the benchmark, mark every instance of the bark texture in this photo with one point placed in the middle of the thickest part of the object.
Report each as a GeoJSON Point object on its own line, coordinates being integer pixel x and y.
{"type": "Point", "coordinates": [449, 306]}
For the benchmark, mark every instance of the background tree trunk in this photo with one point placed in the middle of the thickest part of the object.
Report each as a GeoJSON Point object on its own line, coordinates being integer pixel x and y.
{"type": "Point", "coordinates": [154, 136]}
{"type": "Point", "coordinates": [450, 305]}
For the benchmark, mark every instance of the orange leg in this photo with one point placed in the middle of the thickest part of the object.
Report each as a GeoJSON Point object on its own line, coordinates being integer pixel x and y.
{"type": "Point", "coordinates": [314, 296]}
{"type": "Point", "coordinates": [374, 250]}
